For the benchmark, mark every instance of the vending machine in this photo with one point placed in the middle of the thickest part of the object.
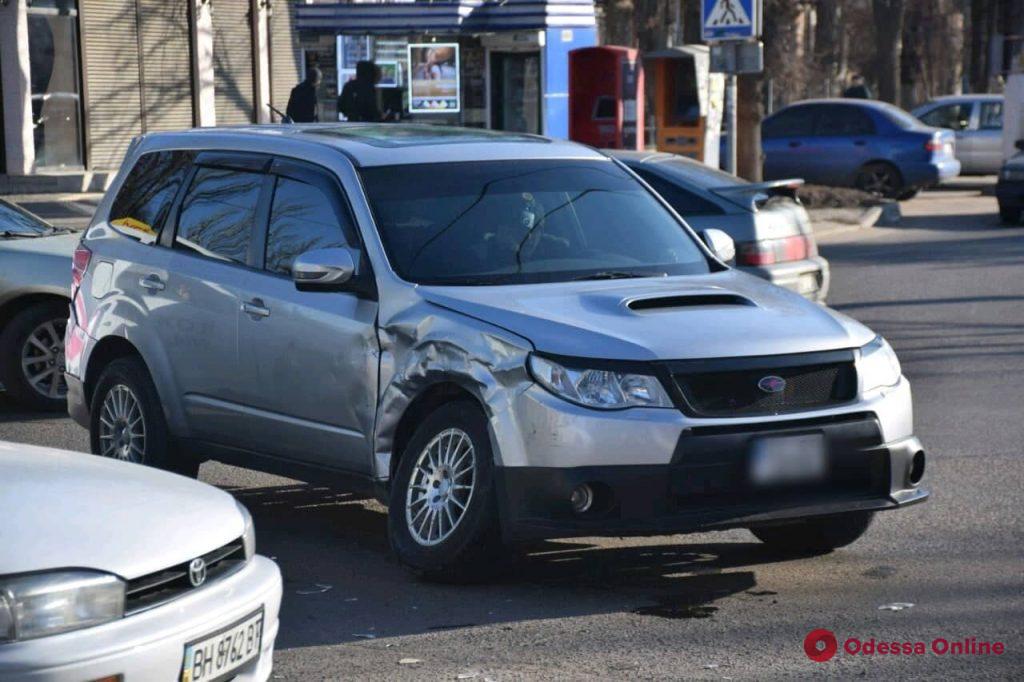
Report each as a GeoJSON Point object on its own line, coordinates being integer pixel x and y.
{"type": "Point", "coordinates": [606, 97]}
{"type": "Point", "coordinates": [688, 101]}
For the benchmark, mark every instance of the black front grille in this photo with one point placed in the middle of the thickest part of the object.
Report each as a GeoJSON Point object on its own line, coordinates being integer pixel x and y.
{"type": "Point", "coordinates": [811, 382]}
{"type": "Point", "coordinates": [160, 587]}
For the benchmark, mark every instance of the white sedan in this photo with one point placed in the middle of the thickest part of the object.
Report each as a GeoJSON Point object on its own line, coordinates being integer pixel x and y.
{"type": "Point", "coordinates": [116, 571]}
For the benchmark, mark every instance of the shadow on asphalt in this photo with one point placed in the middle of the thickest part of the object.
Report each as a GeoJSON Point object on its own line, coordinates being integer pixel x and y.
{"type": "Point", "coordinates": [342, 583]}
{"type": "Point", "coordinates": [11, 412]}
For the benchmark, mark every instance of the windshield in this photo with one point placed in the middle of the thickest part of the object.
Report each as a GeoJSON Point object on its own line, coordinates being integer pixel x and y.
{"type": "Point", "coordinates": [15, 222]}
{"type": "Point", "coordinates": [510, 222]}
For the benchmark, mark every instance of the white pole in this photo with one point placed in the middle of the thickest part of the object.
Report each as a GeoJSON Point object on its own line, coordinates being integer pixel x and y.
{"type": "Point", "coordinates": [730, 112]}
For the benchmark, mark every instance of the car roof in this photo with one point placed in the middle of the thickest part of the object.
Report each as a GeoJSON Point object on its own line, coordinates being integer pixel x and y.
{"type": "Point", "coordinates": [978, 97]}
{"type": "Point", "coordinates": [386, 144]}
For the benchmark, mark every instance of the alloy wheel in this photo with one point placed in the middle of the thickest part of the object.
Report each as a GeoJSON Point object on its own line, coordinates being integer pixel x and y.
{"type": "Point", "coordinates": [440, 487]}
{"type": "Point", "coordinates": [122, 428]}
{"type": "Point", "coordinates": [878, 181]}
{"type": "Point", "coordinates": [42, 360]}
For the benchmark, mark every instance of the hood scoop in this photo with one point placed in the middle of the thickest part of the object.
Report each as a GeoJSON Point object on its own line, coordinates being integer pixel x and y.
{"type": "Point", "coordinates": [688, 301]}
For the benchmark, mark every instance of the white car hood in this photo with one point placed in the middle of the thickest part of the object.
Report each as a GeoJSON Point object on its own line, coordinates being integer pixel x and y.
{"type": "Point", "coordinates": [594, 320]}
{"type": "Point", "coordinates": [63, 509]}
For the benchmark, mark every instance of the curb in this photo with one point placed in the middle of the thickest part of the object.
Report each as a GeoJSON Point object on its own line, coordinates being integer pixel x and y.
{"type": "Point", "coordinates": [828, 221]}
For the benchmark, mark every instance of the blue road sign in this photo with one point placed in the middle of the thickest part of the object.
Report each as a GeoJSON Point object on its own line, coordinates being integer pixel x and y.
{"type": "Point", "coordinates": [730, 19]}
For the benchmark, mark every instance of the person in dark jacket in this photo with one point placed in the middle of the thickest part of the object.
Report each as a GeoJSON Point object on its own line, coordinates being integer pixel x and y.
{"type": "Point", "coordinates": [858, 89]}
{"type": "Point", "coordinates": [302, 101]}
{"type": "Point", "coordinates": [358, 99]}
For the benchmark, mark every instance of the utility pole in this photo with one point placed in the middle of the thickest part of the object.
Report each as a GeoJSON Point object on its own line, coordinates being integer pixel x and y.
{"type": "Point", "coordinates": [730, 123]}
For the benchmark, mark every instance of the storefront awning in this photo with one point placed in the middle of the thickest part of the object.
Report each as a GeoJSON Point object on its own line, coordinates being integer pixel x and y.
{"type": "Point", "coordinates": [459, 16]}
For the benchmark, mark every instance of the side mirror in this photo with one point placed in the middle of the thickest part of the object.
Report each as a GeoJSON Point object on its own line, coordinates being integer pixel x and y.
{"type": "Point", "coordinates": [720, 244]}
{"type": "Point", "coordinates": [1019, 144]}
{"type": "Point", "coordinates": [323, 269]}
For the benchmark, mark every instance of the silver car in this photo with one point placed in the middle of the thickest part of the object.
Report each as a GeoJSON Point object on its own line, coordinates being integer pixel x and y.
{"type": "Point", "coordinates": [154, 582]}
{"type": "Point", "coordinates": [977, 121]}
{"type": "Point", "coordinates": [35, 283]}
{"type": "Point", "coordinates": [773, 233]}
{"type": "Point", "coordinates": [503, 337]}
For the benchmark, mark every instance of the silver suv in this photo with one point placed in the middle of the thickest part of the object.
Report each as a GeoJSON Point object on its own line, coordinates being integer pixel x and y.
{"type": "Point", "coordinates": [505, 338]}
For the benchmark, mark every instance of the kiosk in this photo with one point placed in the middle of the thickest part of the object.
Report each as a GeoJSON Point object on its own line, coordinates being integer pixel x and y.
{"type": "Point", "coordinates": [687, 102]}
{"type": "Point", "coordinates": [606, 97]}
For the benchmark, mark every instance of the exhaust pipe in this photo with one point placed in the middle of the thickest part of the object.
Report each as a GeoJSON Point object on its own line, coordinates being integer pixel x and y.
{"type": "Point", "coordinates": [916, 471]}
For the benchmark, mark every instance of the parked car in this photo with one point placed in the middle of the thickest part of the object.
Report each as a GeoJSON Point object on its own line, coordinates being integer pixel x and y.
{"type": "Point", "coordinates": [773, 234]}
{"type": "Point", "coordinates": [504, 337]}
{"type": "Point", "coordinates": [977, 122]}
{"type": "Point", "coordinates": [1010, 187]}
{"type": "Point", "coordinates": [35, 283]}
{"type": "Point", "coordinates": [873, 146]}
{"type": "Point", "coordinates": [114, 571]}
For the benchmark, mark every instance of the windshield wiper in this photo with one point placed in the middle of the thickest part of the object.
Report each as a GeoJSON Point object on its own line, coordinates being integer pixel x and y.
{"type": "Point", "coordinates": [617, 274]}
{"type": "Point", "coordinates": [10, 234]}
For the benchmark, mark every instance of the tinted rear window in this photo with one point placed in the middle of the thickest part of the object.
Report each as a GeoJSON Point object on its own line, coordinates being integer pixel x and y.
{"type": "Point", "coordinates": [792, 122]}
{"type": "Point", "coordinates": [145, 198]}
{"type": "Point", "coordinates": [218, 212]}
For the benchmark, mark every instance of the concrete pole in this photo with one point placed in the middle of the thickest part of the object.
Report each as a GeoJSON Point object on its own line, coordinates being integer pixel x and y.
{"type": "Point", "coordinates": [19, 139]}
{"type": "Point", "coordinates": [261, 57]}
{"type": "Point", "coordinates": [202, 65]}
{"type": "Point", "coordinates": [730, 114]}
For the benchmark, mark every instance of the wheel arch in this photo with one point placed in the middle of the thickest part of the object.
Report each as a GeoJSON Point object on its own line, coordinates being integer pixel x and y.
{"type": "Point", "coordinates": [13, 306]}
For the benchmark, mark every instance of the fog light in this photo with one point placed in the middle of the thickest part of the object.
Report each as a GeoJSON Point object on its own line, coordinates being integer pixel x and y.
{"type": "Point", "coordinates": [582, 498]}
{"type": "Point", "coordinates": [916, 468]}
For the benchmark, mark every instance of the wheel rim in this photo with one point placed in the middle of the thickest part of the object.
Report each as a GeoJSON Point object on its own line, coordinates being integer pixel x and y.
{"type": "Point", "coordinates": [42, 360]}
{"type": "Point", "coordinates": [878, 181]}
{"type": "Point", "coordinates": [122, 428]}
{"type": "Point", "coordinates": [441, 487]}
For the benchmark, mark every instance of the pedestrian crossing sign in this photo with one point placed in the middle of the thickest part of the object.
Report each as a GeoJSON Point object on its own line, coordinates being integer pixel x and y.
{"type": "Point", "coordinates": [730, 19]}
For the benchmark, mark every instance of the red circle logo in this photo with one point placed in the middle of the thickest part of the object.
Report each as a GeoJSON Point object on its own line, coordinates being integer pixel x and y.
{"type": "Point", "coordinates": [820, 645]}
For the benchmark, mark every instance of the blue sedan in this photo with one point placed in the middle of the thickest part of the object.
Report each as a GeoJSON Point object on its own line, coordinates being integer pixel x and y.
{"type": "Point", "coordinates": [873, 146]}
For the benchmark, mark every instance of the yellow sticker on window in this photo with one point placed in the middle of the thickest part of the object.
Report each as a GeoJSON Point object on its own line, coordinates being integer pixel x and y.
{"type": "Point", "coordinates": [133, 224]}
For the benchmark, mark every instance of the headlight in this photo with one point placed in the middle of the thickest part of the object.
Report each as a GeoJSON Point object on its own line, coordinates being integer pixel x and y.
{"type": "Point", "coordinates": [599, 388]}
{"type": "Point", "coordinates": [42, 604]}
{"type": "Point", "coordinates": [1013, 174]}
{"type": "Point", "coordinates": [878, 365]}
{"type": "Point", "coordinates": [249, 534]}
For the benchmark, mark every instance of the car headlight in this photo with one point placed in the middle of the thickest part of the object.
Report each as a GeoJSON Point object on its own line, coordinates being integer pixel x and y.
{"type": "Point", "coordinates": [249, 534]}
{"type": "Point", "coordinates": [599, 388]}
{"type": "Point", "coordinates": [878, 365]}
{"type": "Point", "coordinates": [42, 604]}
{"type": "Point", "coordinates": [1013, 174]}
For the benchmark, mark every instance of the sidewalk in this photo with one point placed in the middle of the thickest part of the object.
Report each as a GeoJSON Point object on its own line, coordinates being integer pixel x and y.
{"type": "Point", "coordinates": [63, 210]}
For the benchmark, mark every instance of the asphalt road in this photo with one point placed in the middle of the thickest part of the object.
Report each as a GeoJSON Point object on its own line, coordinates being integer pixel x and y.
{"type": "Point", "coordinates": [946, 288]}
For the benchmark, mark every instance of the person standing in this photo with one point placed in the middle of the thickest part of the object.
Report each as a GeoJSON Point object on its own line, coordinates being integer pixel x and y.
{"type": "Point", "coordinates": [858, 88]}
{"type": "Point", "coordinates": [302, 102]}
{"type": "Point", "coordinates": [358, 98]}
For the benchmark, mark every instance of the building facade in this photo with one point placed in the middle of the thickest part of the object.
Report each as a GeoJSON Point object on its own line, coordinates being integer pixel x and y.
{"type": "Point", "coordinates": [80, 78]}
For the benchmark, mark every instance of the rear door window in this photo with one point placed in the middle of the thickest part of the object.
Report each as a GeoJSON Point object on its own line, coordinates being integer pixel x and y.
{"type": "Point", "coordinates": [991, 116]}
{"type": "Point", "coordinates": [795, 122]}
{"type": "Point", "coordinates": [952, 116]}
{"type": "Point", "coordinates": [144, 200]}
{"type": "Point", "coordinates": [218, 213]}
{"type": "Point", "coordinates": [844, 121]}
{"type": "Point", "coordinates": [683, 201]}
{"type": "Point", "coordinates": [302, 218]}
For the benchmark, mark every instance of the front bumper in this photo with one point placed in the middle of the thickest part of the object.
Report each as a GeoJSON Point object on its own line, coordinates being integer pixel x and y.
{"type": "Point", "coordinates": [151, 645]}
{"type": "Point", "coordinates": [810, 278]}
{"type": "Point", "coordinates": [1010, 193]}
{"type": "Point", "coordinates": [706, 487]}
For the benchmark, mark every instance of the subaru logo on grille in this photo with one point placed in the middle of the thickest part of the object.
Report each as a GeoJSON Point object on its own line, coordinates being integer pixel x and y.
{"type": "Point", "coordinates": [772, 384]}
{"type": "Point", "coordinates": [197, 572]}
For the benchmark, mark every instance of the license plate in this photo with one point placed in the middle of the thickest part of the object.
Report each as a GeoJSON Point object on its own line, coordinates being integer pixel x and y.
{"type": "Point", "coordinates": [216, 656]}
{"type": "Point", "coordinates": [788, 459]}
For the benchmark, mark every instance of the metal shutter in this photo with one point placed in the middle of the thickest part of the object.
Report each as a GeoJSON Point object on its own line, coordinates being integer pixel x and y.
{"type": "Point", "coordinates": [112, 78]}
{"type": "Point", "coordinates": [166, 65]}
{"type": "Point", "coordinates": [285, 55]}
{"type": "Point", "coordinates": [232, 62]}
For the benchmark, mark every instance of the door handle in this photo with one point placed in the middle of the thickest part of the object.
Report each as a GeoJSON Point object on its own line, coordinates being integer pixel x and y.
{"type": "Point", "coordinates": [255, 308]}
{"type": "Point", "coordinates": [151, 282]}
{"type": "Point", "coordinates": [795, 143]}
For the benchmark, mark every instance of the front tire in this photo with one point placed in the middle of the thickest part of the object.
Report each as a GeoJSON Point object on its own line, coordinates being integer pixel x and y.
{"type": "Point", "coordinates": [443, 519]}
{"type": "Point", "coordinates": [815, 536]}
{"type": "Point", "coordinates": [1009, 215]}
{"type": "Point", "coordinates": [32, 357]}
{"type": "Point", "coordinates": [127, 420]}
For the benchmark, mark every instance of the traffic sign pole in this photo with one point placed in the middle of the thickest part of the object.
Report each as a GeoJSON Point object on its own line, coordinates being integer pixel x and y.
{"type": "Point", "coordinates": [730, 126]}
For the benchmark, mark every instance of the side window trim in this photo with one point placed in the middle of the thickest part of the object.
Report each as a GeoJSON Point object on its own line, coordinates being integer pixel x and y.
{"type": "Point", "coordinates": [170, 227]}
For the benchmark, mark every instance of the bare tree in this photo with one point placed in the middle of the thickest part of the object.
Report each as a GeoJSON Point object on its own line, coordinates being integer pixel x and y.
{"type": "Point", "coordinates": [888, 16]}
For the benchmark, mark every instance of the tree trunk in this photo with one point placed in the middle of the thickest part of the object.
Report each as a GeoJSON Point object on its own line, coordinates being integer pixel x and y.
{"type": "Point", "coordinates": [888, 16]}
{"type": "Point", "coordinates": [749, 111]}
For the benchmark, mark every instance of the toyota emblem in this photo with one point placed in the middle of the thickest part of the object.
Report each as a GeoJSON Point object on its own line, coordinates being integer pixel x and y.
{"type": "Point", "coordinates": [197, 572]}
{"type": "Point", "coordinates": [772, 384]}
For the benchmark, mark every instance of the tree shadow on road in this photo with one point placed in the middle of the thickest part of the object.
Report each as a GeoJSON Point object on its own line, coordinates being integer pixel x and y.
{"type": "Point", "coordinates": [342, 583]}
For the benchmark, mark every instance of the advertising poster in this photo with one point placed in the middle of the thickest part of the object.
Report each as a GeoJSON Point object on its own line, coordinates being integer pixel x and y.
{"type": "Point", "coordinates": [433, 78]}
